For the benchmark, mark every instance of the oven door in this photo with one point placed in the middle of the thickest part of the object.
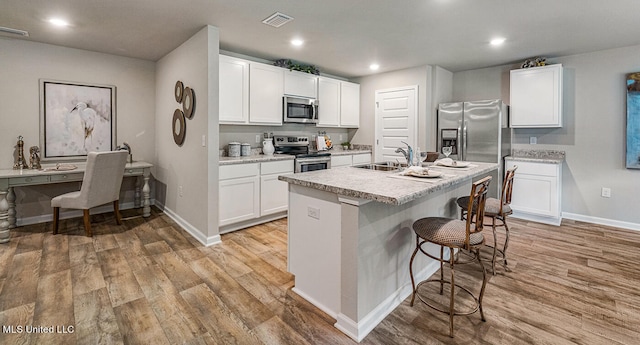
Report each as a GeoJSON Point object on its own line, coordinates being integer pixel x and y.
{"type": "Point", "coordinates": [312, 163]}
{"type": "Point", "coordinates": [300, 110]}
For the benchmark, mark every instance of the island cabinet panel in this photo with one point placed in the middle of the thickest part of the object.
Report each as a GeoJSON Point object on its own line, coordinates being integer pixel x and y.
{"type": "Point", "coordinates": [234, 90]}
{"type": "Point", "coordinates": [300, 84]}
{"type": "Point", "coordinates": [537, 191]}
{"type": "Point", "coordinates": [536, 97]}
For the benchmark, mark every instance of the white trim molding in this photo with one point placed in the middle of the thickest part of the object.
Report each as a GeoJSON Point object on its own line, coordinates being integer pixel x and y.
{"type": "Point", "coordinates": [602, 221]}
{"type": "Point", "coordinates": [192, 230]}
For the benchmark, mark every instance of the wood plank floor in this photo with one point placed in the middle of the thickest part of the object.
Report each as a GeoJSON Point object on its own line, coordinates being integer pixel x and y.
{"type": "Point", "coordinates": [149, 282]}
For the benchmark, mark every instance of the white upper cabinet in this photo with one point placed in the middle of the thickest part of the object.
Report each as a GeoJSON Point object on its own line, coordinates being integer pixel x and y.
{"type": "Point", "coordinates": [338, 103]}
{"type": "Point", "coordinates": [234, 90]}
{"type": "Point", "coordinates": [349, 105]}
{"type": "Point", "coordinates": [328, 102]}
{"type": "Point", "coordinates": [266, 86]}
{"type": "Point", "coordinates": [300, 84]}
{"type": "Point", "coordinates": [536, 97]}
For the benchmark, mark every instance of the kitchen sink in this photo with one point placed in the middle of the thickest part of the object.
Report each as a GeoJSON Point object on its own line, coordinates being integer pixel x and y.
{"type": "Point", "coordinates": [382, 166]}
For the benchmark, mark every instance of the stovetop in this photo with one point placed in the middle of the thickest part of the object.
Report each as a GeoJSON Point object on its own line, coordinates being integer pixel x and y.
{"type": "Point", "coordinates": [297, 146]}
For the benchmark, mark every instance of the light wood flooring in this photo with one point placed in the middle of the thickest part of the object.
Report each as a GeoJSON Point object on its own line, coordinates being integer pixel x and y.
{"type": "Point", "coordinates": [149, 282]}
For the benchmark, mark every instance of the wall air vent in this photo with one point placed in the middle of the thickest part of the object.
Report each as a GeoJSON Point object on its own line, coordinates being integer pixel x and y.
{"type": "Point", "coordinates": [277, 19]}
{"type": "Point", "coordinates": [14, 31]}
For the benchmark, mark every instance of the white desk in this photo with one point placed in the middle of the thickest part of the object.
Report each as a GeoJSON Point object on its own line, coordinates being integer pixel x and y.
{"type": "Point", "coordinates": [17, 178]}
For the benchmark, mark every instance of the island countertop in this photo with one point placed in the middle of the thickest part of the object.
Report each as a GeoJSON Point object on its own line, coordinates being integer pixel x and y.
{"type": "Point", "coordinates": [384, 187]}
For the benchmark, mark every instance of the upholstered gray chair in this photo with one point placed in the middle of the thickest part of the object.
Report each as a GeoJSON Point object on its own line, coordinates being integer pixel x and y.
{"type": "Point", "coordinates": [100, 185]}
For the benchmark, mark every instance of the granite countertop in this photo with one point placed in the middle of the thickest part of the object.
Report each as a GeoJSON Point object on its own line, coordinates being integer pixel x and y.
{"type": "Point", "coordinates": [254, 159]}
{"type": "Point", "coordinates": [384, 187]}
{"type": "Point", "coordinates": [537, 156]}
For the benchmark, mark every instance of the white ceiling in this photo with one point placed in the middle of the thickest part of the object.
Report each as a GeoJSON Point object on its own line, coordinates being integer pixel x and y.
{"type": "Point", "coordinates": [342, 37]}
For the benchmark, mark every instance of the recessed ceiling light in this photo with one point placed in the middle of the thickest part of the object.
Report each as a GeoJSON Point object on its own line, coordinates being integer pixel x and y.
{"type": "Point", "coordinates": [297, 42]}
{"type": "Point", "coordinates": [497, 41]}
{"type": "Point", "coordinates": [374, 66]}
{"type": "Point", "coordinates": [58, 22]}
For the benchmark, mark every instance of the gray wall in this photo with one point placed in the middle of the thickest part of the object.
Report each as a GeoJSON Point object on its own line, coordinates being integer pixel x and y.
{"type": "Point", "coordinates": [593, 133]}
{"type": "Point", "coordinates": [23, 63]}
{"type": "Point", "coordinates": [247, 134]}
{"type": "Point", "coordinates": [192, 166]}
{"type": "Point", "coordinates": [420, 76]}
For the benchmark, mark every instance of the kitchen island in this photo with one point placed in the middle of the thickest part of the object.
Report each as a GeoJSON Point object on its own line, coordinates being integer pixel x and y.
{"type": "Point", "coordinates": [350, 237]}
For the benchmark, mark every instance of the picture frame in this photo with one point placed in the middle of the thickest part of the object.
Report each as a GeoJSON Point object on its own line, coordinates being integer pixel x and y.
{"type": "Point", "coordinates": [633, 121]}
{"type": "Point", "coordinates": [75, 119]}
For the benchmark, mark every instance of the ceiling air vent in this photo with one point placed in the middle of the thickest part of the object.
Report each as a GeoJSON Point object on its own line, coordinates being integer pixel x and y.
{"type": "Point", "coordinates": [277, 19]}
{"type": "Point", "coordinates": [14, 31]}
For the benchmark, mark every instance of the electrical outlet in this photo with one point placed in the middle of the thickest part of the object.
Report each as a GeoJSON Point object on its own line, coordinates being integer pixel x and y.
{"type": "Point", "coordinates": [533, 140]}
{"type": "Point", "coordinates": [313, 212]}
{"type": "Point", "coordinates": [257, 138]}
{"type": "Point", "coordinates": [204, 140]}
{"type": "Point", "coordinates": [180, 191]}
{"type": "Point", "coordinates": [340, 137]}
{"type": "Point", "coordinates": [606, 192]}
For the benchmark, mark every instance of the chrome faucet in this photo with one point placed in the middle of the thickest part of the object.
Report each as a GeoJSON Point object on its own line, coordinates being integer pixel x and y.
{"type": "Point", "coordinates": [408, 154]}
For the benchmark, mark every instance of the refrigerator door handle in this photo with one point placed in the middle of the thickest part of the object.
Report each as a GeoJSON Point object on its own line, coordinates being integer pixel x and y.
{"type": "Point", "coordinates": [459, 141]}
{"type": "Point", "coordinates": [463, 156]}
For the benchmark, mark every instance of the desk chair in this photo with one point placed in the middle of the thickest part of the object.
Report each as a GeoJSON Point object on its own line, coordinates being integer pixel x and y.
{"type": "Point", "coordinates": [456, 235]}
{"type": "Point", "coordinates": [100, 185]}
{"type": "Point", "coordinates": [497, 210]}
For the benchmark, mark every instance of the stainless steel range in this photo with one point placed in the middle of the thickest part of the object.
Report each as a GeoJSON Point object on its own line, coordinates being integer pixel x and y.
{"type": "Point", "coordinates": [306, 160]}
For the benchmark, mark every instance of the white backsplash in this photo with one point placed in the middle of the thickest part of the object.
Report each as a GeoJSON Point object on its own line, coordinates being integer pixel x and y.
{"type": "Point", "coordinates": [247, 134]}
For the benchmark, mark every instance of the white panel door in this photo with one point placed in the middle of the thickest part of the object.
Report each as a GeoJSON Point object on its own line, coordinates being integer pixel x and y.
{"type": "Point", "coordinates": [328, 102]}
{"type": "Point", "coordinates": [239, 199]}
{"type": "Point", "coordinates": [234, 90]}
{"type": "Point", "coordinates": [349, 105]}
{"type": "Point", "coordinates": [396, 121]}
{"type": "Point", "coordinates": [266, 86]}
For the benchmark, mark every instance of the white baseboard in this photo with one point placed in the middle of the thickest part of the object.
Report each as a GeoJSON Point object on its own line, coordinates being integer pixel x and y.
{"type": "Point", "coordinates": [358, 330]}
{"type": "Point", "coordinates": [535, 218]}
{"type": "Point", "coordinates": [251, 222]}
{"type": "Point", "coordinates": [69, 213]}
{"type": "Point", "coordinates": [601, 221]}
{"type": "Point", "coordinates": [192, 230]}
{"type": "Point", "coordinates": [315, 302]}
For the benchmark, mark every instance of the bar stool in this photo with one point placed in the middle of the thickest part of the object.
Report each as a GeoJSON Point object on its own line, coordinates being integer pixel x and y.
{"type": "Point", "coordinates": [456, 235]}
{"type": "Point", "coordinates": [497, 210]}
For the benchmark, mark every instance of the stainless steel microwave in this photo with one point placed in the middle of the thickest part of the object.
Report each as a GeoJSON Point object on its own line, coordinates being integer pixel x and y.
{"type": "Point", "coordinates": [299, 109]}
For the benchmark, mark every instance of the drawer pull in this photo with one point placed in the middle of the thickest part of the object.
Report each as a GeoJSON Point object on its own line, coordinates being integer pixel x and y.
{"type": "Point", "coordinates": [64, 177]}
{"type": "Point", "coordinates": [130, 171]}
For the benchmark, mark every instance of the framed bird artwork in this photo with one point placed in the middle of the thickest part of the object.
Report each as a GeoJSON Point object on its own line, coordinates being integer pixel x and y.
{"type": "Point", "coordinates": [75, 119]}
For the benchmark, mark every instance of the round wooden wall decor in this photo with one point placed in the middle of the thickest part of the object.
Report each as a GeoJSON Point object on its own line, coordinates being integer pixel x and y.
{"type": "Point", "coordinates": [179, 91]}
{"type": "Point", "coordinates": [189, 102]}
{"type": "Point", "coordinates": [178, 127]}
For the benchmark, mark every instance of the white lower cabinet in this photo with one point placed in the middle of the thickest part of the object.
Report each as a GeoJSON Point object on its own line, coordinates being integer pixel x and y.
{"type": "Point", "coordinates": [274, 194]}
{"type": "Point", "coordinates": [349, 160]}
{"type": "Point", "coordinates": [537, 191]}
{"type": "Point", "coordinates": [239, 193]}
{"type": "Point", "coordinates": [249, 192]}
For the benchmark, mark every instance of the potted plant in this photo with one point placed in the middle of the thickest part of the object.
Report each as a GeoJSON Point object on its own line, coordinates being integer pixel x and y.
{"type": "Point", "coordinates": [346, 145]}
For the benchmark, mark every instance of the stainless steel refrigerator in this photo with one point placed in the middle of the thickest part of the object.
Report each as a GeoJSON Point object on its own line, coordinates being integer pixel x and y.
{"type": "Point", "coordinates": [477, 131]}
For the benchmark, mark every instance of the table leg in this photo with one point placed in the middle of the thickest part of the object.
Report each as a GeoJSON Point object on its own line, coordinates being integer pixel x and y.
{"type": "Point", "coordinates": [146, 192]}
{"type": "Point", "coordinates": [136, 196]}
{"type": "Point", "coordinates": [11, 199]}
{"type": "Point", "coordinates": [4, 217]}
